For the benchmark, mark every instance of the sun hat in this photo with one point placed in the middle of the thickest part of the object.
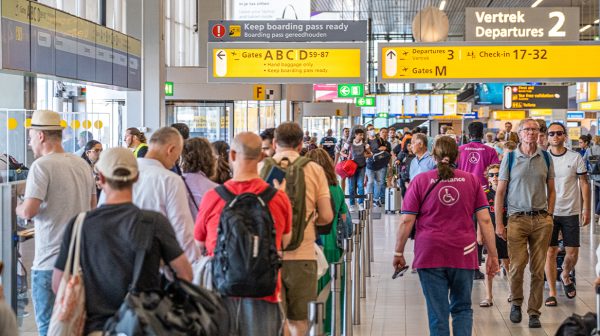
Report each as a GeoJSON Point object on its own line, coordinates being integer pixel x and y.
{"type": "Point", "coordinates": [46, 120]}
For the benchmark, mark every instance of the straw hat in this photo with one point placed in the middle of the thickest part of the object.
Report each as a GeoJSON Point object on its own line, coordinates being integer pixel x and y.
{"type": "Point", "coordinates": [46, 120]}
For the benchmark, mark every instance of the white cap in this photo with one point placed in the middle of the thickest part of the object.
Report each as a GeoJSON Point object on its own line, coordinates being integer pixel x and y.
{"type": "Point", "coordinates": [117, 158]}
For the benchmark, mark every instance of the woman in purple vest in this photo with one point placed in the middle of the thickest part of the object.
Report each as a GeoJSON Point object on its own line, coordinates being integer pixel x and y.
{"type": "Point", "coordinates": [441, 203]}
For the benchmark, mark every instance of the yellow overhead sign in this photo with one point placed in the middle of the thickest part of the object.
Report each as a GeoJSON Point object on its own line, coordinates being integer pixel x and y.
{"type": "Point", "coordinates": [509, 115]}
{"type": "Point", "coordinates": [305, 63]}
{"type": "Point", "coordinates": [590, 106]}
{"type": "Point", "coordinates": [489, 62]}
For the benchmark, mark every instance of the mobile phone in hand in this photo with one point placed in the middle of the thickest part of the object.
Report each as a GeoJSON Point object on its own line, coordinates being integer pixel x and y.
{"type": "Point", "coordinates": [275, 173]}
{"type": "Point", "coordinates": [400, 272]}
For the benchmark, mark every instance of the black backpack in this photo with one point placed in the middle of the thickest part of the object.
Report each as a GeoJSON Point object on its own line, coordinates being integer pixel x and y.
{"type": "Point", "coordinates": [577, 325]}
{"type": "Point", "coordinates": [246, 262]}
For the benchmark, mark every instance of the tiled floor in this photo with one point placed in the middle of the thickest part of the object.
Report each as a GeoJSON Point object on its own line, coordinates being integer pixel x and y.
{"type": "Point", "coordinates": [397, 307]}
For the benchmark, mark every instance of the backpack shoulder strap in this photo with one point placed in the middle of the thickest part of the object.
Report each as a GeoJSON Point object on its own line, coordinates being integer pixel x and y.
{"type": "Point", "coordinates": [268, 194]}
{"type": "Point", "coordinates": [301, 161]}
{"type": "Point", "coordinates": [511, 159]}
{"type": "Point", "coordinates": [225, 194]}
{"type": "Point", "coordinates": [546, 158]}
{"type": "Point", "coordinates": [268, 163]}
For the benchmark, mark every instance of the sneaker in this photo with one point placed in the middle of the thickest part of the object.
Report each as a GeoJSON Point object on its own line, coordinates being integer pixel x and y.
{"type": "Point", "coordinates": [515, 314]}
{"type": "Point", "coordinates": [478, 275]}
{"type": "Point", "coordinates": [534, 321]}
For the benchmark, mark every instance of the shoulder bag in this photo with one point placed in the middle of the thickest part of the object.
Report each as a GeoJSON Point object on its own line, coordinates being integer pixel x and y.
{"type": "Point", "coordinates": [68, 314]}
{"type": "Point", "coordinates": [346, 168]}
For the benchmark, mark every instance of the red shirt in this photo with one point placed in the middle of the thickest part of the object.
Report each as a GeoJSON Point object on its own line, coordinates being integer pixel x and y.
{"type": "Point", "coordinates": [212, 205]}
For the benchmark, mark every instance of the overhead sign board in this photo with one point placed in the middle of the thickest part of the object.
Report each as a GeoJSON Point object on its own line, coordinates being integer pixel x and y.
{"type": "Point", "coordinates": [489, 62]}
{"type": "Point", "coordinates": [590, 106]}
{"type": "Point", "coordinates": [286, 31]}
{"type": "Point", "coordinates": [351, 90]}
{"type": "Point", "coordinates": [286, 62]}
{"type": "Point", "coordinates": [522, 24]}
{"type": "Point", "coordinates": [365, 102]}
{"type": "Point", "coordinates": [16, 35]}
{"type": "Point", "coordinates": [269, 9]}
{"type": "Point", "coordinates": [536, 97]}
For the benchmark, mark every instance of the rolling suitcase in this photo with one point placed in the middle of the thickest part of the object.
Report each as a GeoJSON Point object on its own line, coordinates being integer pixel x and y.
{"type": "Point", "coordinates": [392, 200]}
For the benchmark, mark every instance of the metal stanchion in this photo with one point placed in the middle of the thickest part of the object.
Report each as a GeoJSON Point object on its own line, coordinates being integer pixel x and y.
{"type": "Point", "coordinates": [362, 216]}
{"type": "Point", "coordinates": [367, 235]}
{"type": "Point", "coordinates": [315, 318]}
{"type": "Point", "coordinates": [335, 272]}
{"type": "Point", "coordinates": [592, 206]}
{"type": "Point", "coordinates": [356, 276]}
{"type": "Point", "coordinates": [370, 234]}
{"type": "Point", "coordinates": [348, 287]}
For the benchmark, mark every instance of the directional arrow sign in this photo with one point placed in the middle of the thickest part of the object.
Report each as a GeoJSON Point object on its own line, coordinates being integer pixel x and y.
{"type": "Point", "coordinates": [221, 54]}
{"type": "Point", "coordinates": [365, 102]}
{"type": "Point", "coordinates": [350, 90]}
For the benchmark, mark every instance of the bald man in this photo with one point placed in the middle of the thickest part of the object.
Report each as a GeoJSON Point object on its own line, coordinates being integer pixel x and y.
{"type": "Point", "coordinates": [249, 316]}
{"type": "Point", "coordinates": [164, 191]}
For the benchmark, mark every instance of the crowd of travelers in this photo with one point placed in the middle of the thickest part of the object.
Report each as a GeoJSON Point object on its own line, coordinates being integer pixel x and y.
{"type": "Point", "coordinates": [262, 210]}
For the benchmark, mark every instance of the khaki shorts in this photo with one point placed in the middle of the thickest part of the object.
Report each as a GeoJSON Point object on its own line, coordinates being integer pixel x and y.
{"type": "Point", "coordinates": [299, 287]}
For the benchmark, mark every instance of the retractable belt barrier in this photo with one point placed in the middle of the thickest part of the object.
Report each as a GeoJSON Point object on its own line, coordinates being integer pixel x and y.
{"type": "Point", "coordinates": [354, 267]}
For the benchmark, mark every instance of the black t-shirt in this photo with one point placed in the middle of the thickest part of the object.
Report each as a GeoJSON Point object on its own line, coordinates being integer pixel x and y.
{"type": "Point", "coordinates": [110, 235]}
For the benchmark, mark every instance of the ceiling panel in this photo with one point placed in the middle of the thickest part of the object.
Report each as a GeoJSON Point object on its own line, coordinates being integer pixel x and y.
{"type": "Point", "coordinates": [394, 17]}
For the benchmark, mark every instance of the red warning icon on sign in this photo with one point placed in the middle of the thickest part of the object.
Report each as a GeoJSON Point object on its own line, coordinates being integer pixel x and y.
{"type": "Point", "coordinates": [218, 30]}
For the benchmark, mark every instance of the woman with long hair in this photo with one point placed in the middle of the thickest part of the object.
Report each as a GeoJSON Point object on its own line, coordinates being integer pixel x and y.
{"type": "Point", "coordinates": [91, 154]}
{"type": "Point", "coordinates": [442, 203]}
{"type": "Point", "coordinates": [357, 149]}
{"type": "Point", "coordinates": [197, 165]}
{"type": "Point", "coordinates": [223, 170]}
{"type": "Point", "coordinates": [332, 251]}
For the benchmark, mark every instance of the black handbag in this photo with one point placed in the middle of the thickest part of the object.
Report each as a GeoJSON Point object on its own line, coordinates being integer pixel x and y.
{"type": "Point", "coordinates": [180, 308]}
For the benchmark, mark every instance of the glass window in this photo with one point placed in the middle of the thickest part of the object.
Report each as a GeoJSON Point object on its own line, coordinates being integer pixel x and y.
{"type": "Point", "coordinates": [116, 15]}
{"type": "Point", "coordinates": [88, 10]}
{"type": "Point", "coordinates": [252, 120]}
{"type": "Point", "coordinates": [181, 35]}
{"type": "Point", "coordinates": [240, 117]}
{"type": "Point", "coordinates": [209, 121]}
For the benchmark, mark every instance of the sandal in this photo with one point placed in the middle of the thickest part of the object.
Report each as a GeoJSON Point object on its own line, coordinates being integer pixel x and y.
{"type": "Point", "coordinates": [486, 303]}
{"type": "Point", "coordinates": [570, 288]}
{"type": "Point", "coordinates": [550, 302]}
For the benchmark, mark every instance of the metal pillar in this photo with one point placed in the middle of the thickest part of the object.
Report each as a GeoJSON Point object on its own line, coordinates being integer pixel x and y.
{"type": "Point", "coordinates": [370, 234]}
{"type": "Point", "coordinates": [356, 276]}
{"type": "Point", "coordinates": [316, 316]}
{"type": "Point", "coordinates": [348, 244]}
{"type": "Point", "coordinates": [367, 234]}
{"type": "Point", "coordinates": [335, 273]}
{"type": "Point", "coordinates": [362, 220]}
{"type": "Point", "coordinates": [592, 206]}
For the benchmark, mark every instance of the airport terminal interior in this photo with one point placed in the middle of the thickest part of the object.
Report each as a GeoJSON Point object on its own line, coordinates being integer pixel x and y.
{"type": "Point", "coordinates": [380, 86]}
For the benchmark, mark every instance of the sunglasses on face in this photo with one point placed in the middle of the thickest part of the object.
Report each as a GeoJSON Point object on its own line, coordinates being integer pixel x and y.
{"type": "Point", "coordinates": [557, 133]}
{"type": "Point", "coordinates": [493, 174]}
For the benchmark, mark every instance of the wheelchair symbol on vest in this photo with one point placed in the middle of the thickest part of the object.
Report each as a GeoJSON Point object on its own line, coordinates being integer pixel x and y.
{"type": "Point", "coordinates": [448, 195]}
{"type": "Point", "coordinates": [474, 157]}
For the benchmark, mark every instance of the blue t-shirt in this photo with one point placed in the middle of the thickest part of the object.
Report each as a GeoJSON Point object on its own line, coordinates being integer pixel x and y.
{"type": "Point", "coordinates": [422, 165]}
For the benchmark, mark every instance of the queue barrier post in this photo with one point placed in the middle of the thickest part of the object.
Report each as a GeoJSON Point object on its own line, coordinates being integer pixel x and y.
{"type": "Point", "coordinates": [367, 235]}
{"type": "Point", "coordinates": [316, 316]}
{"type": "Point", "coordinates": [348, 247]}
{"type": "Point", "coordinates": [335, 273]}
{"type": "Point", "coordinates": [356, 276]}
{"type": "Point", "coordinates": [362, 219]}
{"type": "Point", "coordinates": [370, 235]}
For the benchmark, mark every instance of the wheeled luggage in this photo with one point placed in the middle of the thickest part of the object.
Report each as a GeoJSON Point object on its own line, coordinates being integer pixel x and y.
{"type": "Point", "coordinates": [392, 200]}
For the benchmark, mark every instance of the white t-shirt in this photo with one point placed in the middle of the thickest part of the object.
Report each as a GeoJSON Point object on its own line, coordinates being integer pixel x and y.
{"type": "Point", "coordinates": [567, 169]}
{"type": "Point", "coordinates": [64, 184]}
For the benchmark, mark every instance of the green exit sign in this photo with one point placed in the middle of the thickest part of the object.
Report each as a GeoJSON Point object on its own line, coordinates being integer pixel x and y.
{"type": "Point", "coordinates": [365, 102]}
{"type": "Point", "coordinates": [169, 89]}
{"type": "Point", "coordinates": [382, 115]}
{"type": "Point", "coordinates": [351, 90]}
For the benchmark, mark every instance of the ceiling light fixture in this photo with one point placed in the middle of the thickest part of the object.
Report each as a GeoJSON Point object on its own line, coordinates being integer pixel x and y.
{"type": "Point", "coordinates": [442, 5]}
{"type": "Point", "coordinates": [597, 21]}
{"type": "Point", "coordinates": [535, 4]}
{"type": "Point", "coordinates": [586, 27]}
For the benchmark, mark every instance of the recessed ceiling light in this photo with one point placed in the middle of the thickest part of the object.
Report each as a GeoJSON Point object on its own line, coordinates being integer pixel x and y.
{"type": "Point", "coordinates": [586, 27]}
{"type": "Point", "coordinates": [442, 5]}
{"type": "Point", "coordinates": [597, 21]}
{"type": "Point", "coordinates": [535, 4]}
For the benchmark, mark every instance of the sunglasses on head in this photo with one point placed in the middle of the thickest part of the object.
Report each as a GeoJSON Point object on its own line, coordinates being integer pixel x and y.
{"type": "Point", "coordinates": [493, 174]}
{"type": "Point", "coordinates": [557, 133]}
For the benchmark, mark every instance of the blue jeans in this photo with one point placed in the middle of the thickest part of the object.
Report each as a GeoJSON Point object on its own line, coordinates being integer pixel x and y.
{"type": "Point", "coordinates": [249, 317]}
{"type": "Point", "coordinates": [43, 299]}
{"type": "Point", "coordinates": [357, 180]}
{"type": "Point", "coordinates": [443, 284]}
{"type": "Point", "coordinates": [376, 183]}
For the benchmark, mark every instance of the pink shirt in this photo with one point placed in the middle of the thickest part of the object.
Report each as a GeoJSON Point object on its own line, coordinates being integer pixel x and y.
{"type": "Point", "coordinates": [445, 232]}
{"type": "Point", "coordinates": [475, 157]}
